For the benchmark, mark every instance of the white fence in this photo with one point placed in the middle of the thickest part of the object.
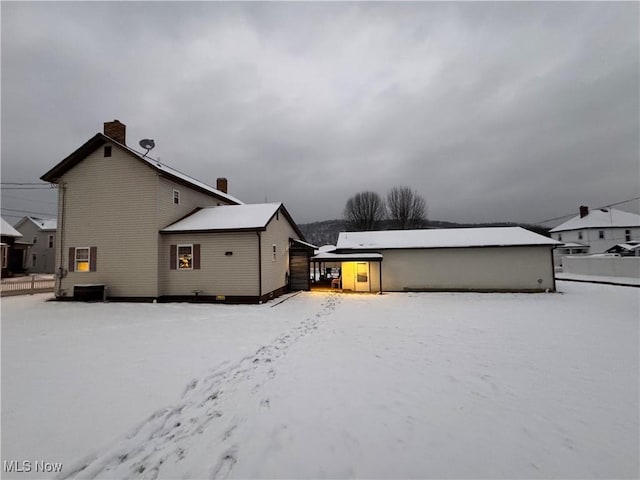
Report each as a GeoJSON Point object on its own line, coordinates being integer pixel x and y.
{"type": "Point", "coordinates": [28, 286]}
{"type": "Point", "coordinates": [603, 266]}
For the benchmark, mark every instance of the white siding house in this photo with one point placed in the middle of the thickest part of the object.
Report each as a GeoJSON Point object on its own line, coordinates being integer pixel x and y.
{"type": "Point", "coordinates": [113, 207]}
{"type": "Point", "coordinates": [599, 230]}
{"type": "Point", "coordinates": [464, 259]}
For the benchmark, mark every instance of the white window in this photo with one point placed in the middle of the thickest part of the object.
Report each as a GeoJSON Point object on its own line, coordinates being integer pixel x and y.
{"type": "Point", "coordinates": [176, 197]}
{"type": "Point", "coordinates": [185, 257]}
{"type": "Point", "coordinates": [5, 252]}
{"type": "Point", "coordinates": [50, 241]}
{"type": "Point", "coordinates": [82, 259]}
{"type": "Point", "coordinates": [274, 252]}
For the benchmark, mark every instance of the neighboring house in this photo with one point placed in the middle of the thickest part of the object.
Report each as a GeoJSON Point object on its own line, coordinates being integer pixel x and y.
{"type": "Point", "coordinates": [42, 233]}
{"type": "Point", "coordinates": [14, 250]}
{"type": "Point", "coordinates": [599, 229]}
{"type": "Point", "coordinates": [629, 249]}
{"type": "Point", "coordinates": [463, 259]}
{"type": "Point", "coordinates": [118, 226]}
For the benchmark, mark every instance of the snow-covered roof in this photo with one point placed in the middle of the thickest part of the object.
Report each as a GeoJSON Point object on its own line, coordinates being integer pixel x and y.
{"type": "Point", "coordinates": [44, 223]}
{"type": "Point", "coordinates": [602, 218]}
{"type": "Point", "coordinates": [306, 244]}
{"type": "Point", "coordinates": [337, 257]}
{"type": "Point", "coordinates": [442, 238]}
{"type": "Point", "coordinates": [6, 230]}
{"type": "Point", "coordinates": [99, 139]}
{"type": "Point", "coordinates": [176, 173]}
{"type": "Point", "coordinates": [631, 246]}
{"type": "Point", "coordinates": [227, 217]}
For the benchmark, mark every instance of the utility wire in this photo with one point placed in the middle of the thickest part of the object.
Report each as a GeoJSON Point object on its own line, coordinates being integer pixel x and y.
{"type": "Point", "coordinates": [30, 199]}
{"type": "Point", "coordinates": [28, 211]}
{"type": "Point", "coordinates": [28, 188]}
{"type": "Point", "coordinates": [597, 208]}
{"type": "Point", "coordinates": [23, 183]}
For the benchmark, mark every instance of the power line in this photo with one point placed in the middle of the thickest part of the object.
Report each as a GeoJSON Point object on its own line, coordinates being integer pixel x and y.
{"type": "Point", "coordinates": [597, 208]}
{"type": "Point", "coordinates": [27, 188]}
{"type": "Point", "coordinates": [27, 211]}
{"type": "Point", "coordinates": [23, 183]}
{"type": "Point", "coordinates": [30, 199]}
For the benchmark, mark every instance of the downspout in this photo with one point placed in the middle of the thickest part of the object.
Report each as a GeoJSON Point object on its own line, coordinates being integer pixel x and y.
{"type": "Point", "coordinates": [259, 267]}
{"type": "Point", "coordinates": [61, 239]}
{"type": "Point", "coordinates": [553, 270]}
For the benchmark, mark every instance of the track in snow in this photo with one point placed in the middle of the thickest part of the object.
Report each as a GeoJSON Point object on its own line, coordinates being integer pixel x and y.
{"type": "Point", "coordinates": [165, 438]}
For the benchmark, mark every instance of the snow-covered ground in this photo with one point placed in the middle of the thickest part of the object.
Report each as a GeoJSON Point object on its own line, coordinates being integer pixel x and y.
{"type": "Point", "coordinates": [440, 385]}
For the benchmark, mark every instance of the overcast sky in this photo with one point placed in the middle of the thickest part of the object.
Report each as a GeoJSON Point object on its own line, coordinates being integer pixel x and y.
{"type": "Point", "coordinates": [491, 111]}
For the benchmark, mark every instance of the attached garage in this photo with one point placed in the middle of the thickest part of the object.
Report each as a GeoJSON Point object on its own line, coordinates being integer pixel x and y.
{"type": "Point", "coordinates": [502, 259]}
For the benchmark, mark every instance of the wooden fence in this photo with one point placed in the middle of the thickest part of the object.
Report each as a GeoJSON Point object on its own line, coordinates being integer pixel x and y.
{"type": "Point", "coordinates": [28, 286]}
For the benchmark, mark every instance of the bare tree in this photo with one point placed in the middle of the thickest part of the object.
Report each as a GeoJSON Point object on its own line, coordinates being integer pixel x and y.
{"type": "Point", "coordinates": [406, 208]}
{"type": "Point", "coordinates": [364, 211]}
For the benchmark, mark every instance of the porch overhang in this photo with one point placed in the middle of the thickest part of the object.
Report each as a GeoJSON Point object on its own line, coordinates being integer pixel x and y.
{"type": "Point", "coordinates": [347, 257]}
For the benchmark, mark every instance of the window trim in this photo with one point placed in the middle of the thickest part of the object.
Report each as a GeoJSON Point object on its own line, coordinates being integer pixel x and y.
{"type": "Point", "coordinates": [88, 260]}
{"type": "Point", "coordinates": [107, 151]}
{"type": "Point", "coordinates": [51, 239]}
{"type": "Point", "coordinates": [601, 235]}
{"type": "Point", "coordinates": [178, 246]}
{"type": "Point", "coordinates": [176, 197]}
{"type": "Point", "coordinates": [274, 252]}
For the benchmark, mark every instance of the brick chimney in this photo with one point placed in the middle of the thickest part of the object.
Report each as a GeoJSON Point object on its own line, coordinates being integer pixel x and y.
{"type": "Point", "coordinates": [221, 184]}
{"type": "Point", "coordinates": [584, 211]}
{"type": "Point", "coordinates": [116, 130]}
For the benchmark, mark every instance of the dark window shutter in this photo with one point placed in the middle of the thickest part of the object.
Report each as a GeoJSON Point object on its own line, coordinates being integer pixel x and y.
{"type": "Point", "coordinates": [173, 253]}
{"type": "Point", "coordinates": [72, 259]}
{"type": "Point", "coordinates": [196, 256]}
{"type": "Point", "coordinates": [93, 259]}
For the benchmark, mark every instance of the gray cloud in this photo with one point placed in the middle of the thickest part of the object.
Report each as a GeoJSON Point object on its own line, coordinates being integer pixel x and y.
{"type": "Point", "coordinates": [493, 111]}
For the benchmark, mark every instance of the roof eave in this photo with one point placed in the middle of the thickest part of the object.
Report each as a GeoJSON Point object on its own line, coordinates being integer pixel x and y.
{"type": "Point", "coordinates": [53, 175]}
{"type": "Point", "coordinates": [554, 244]}
{"type": "Point", "coordinates": [215, 230]}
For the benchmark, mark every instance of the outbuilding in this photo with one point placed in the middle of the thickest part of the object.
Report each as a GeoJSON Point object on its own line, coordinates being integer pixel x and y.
{"type": "Point", "coordinates": [500, 259]}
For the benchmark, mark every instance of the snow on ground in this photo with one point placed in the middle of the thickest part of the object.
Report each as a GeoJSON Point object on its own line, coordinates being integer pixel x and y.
{"type": "Point", "coordinates": [440, 385]}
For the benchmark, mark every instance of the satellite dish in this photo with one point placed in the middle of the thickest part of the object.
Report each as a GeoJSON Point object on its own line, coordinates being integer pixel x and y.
{"type": "Point", "coordinates": [147, 144]}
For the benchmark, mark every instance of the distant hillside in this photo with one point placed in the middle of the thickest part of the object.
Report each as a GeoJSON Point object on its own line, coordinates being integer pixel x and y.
{"type": "Point", "coordinates": [326, 232]}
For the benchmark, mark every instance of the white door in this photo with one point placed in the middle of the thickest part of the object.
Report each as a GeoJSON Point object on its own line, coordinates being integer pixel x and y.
{"type": "Point", "coordinates": [362, 277]}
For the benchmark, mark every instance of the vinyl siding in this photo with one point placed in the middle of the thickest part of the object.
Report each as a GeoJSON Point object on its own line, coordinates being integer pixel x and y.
{"type": "Point", "coordinates": [278, 232]}
{"type": "Point", "coordinates": [503, 268]}
{"type": "Point", "coordinates": [168, 212]}
{"type": "Point", "coordinates": [111, 204]}
{"type": "Point", "coordinates": [219, 274]}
